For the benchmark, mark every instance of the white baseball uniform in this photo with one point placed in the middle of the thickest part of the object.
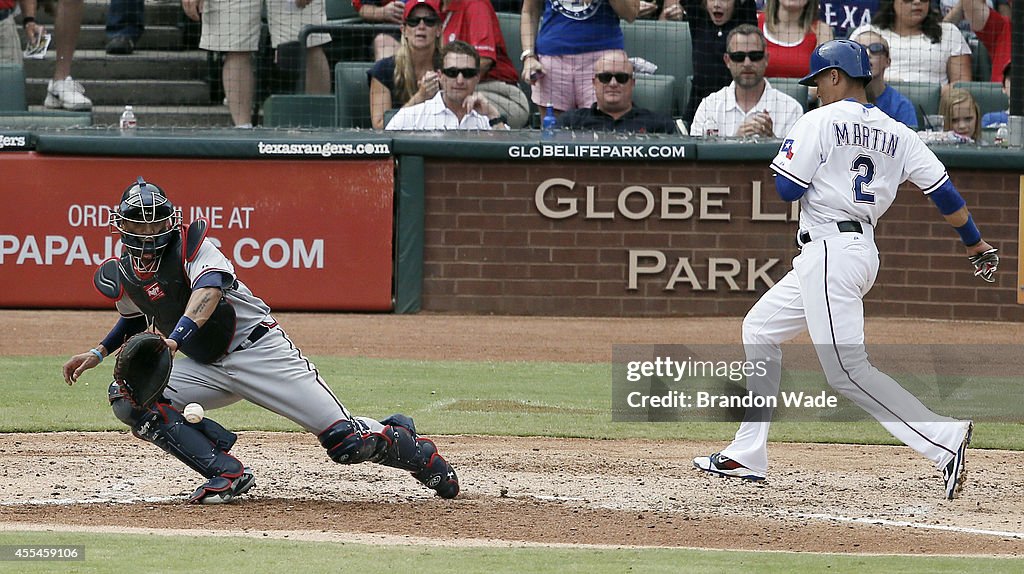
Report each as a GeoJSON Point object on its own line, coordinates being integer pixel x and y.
{"type": "Point", "coordinates": [850, 158]}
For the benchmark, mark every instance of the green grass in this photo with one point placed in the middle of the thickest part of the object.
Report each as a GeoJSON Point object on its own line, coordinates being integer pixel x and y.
{"type": "Point", "coordinates": [109, 554]}
{"type": "Point", "coordinates": [444, 397]}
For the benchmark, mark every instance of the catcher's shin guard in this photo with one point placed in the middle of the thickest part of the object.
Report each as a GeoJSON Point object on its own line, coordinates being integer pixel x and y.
{"type": "Point", "coordinates": [398, 446]}
{"type": "Point", "coordinates": [202, 447]}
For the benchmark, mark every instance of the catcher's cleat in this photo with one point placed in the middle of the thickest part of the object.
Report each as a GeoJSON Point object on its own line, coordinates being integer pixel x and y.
{"type": "Point", "coordinates": [221, 490]}
{"type": "Point", "coordinates": [955, 473]}
{"type": "Point", "coordinates": [725, 466]}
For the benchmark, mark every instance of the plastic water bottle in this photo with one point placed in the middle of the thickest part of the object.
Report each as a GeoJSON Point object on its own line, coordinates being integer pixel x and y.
{"type": "Point", "coordinates": [128, 121]}
{"type": "Point", "coordinates": [1002, 136]}
{"type": "Point", "coordinates": [547, 124]}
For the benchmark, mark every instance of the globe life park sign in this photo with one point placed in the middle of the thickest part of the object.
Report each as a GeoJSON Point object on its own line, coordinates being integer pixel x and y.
{"type": "Point", "coordinates": [565, 200]}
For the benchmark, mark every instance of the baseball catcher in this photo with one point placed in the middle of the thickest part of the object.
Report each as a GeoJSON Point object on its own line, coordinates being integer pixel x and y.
{"type": "Point", "coordinates": [172, 278]}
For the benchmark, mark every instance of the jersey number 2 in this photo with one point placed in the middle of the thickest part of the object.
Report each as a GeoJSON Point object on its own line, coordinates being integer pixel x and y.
{"type": "Point", "coordinates": [865, 170]}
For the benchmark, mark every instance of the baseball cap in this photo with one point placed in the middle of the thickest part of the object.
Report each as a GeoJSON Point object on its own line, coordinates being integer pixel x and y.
{"type": "Point", "coordinates": [434, 5]}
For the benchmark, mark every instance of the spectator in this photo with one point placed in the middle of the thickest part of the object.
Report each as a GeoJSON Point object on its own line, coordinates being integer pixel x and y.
{"type": "Point", "coordinates": [921, 48]}
{"type": "Point", "coordinates": [235, 29]}
{"type": "Point", "coordinates": [845, 15]}
{"type": "Point", "coordinates": [474, 22]}
{"type": "Point", "coordinates": [951, 12]}
{"type": "Point", "coordinates": [561, 46]}
{"type": "Point", "coordinates": [999, 119]}
{"type": "Point", "coordinates": [409, 77]}
{"type": "Point", "coordinates": [792, 31]}
{"type": "Point", "coordinates": [10, 43]}
{"type": "Point", "coordinates": [710, 23]}
{"type": "Point", "coordinates": [660, 10]}
{"type": "Point", "coordinates": [884, 96]}
{"type": "Point", "coordinates": [385, 12]}
{"type": "Point", "coordinates": [614, 111]}
{"type": "Point", "coordinates": [62, 91]}
{"type": "Point", "coordinates": [456, 105]}
{"type": "Point", "coordinates": [125, 24]}
{"type": "Point", "coordinates": [994, 31]}
{"type": "Point", "coordinates": [749, 106]}
{"type": "Point", "coordinates": [960, 115]}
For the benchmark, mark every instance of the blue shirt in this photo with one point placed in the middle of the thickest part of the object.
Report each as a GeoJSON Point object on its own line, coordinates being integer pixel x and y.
{"type": "Point", "coordinates": [897, 106]}
{"type": "Point", "coordinates": [569, 27]}
{"type": "Point", "coordinates": [995, 119]}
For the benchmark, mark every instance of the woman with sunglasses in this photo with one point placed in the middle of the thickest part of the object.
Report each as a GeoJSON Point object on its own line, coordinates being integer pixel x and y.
{"type": "Point", "coordinates": [793, 31]}
{"type": "Point", "coordinates": [408, 77]}
{"type": "Point", "coordinates": [922, 47]}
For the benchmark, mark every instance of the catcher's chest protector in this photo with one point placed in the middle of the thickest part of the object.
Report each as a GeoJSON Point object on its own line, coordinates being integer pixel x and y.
{"type": "Point", "coordinates": [163, 297]}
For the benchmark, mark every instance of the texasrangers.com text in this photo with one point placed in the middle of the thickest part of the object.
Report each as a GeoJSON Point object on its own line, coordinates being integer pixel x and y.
{"type": "Point", "coordinates": [324, 149]}
{"type": "Point", "coordinates": [596, 151]}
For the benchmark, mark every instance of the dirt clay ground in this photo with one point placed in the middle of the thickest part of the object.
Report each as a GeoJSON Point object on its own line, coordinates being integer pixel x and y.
{"type": "Point", "coordinates": [830, 498]}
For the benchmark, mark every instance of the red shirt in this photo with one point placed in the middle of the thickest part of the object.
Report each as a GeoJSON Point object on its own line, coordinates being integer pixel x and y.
{"type": "Point", "coordinates": [789, 61]}
{"type": "Point", "coordinates": [996, 38]}
{"type": "Point", "coordinates": [7, 4]}
{"type": "Point", "coordinates": [475, 23]}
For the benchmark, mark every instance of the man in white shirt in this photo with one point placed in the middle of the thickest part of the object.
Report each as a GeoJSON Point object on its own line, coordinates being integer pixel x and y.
{"type": "Point", "coordinates": [749, 106]}
{"type": "Point", "coordinates": [456, 106]}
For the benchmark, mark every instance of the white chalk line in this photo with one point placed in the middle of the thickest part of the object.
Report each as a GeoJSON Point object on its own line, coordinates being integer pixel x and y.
{"type": "Point", "coordinates": [904, 524]}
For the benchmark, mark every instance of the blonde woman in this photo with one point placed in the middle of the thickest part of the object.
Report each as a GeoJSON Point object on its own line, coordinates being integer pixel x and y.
{"type": "Point", "coordinates": [793, 31]}
{"type": "Point", "coordinates": [410, 76]}
{"type": "Point", "coordinates": [960, 114]}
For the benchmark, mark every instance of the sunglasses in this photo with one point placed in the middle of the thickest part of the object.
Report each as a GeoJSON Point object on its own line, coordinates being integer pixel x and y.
{"type": "Point", "coordinates": [467, 73]}
{"type": "Point", "coordinates": [738, 57]}
{"type": "Point", "coordinates": [877, 48]}
{"type": "Point", "coordinates": [620, 77]}
{"type": "Point", "coordinates": [430, 21]}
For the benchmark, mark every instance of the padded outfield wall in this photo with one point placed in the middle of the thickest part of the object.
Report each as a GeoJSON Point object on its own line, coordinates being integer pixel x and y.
{"type": "Point", "coordinates": [486, 223]}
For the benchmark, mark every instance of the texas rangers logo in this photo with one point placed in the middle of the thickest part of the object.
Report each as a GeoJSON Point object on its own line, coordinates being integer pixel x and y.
{"type": "Point", "coordinates": [787, 146]}
{"type": "Point", "coordinates": [154, 291]}
{"type": "Point", "coordinates": [576, 9]}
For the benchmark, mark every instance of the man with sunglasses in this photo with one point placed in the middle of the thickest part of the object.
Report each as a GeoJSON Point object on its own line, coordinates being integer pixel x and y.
{"type": "Point", "coordinates": [614, 110]}
{"type": "Point", "coordinates": [884, 96]}
{"type": "Point", "coordinates": [749, 106]}
{"type": "Point", "coordinates": [457, 105]}
{"type": "Point", "coordinates": [475, 23]}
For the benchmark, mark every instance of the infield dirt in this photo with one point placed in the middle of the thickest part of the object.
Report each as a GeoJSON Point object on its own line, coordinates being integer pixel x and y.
{"type": "Point", "coordinates": [829, 498]}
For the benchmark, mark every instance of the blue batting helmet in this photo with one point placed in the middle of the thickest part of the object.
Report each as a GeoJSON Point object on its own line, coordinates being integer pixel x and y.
{"type": "Point", "coordinates": [846, 55]}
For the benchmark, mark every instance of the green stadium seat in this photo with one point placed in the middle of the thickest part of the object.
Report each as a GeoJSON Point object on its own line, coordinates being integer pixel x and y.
{"type": "Point", "coordinates": [792, 88]}
{"type": "Point", "coordinates": [341, 10]}
{"type": "Point", "coordinates": [989, 95]}
{"type": "Point", "coordinates": [655, 92]}
{"type": "Point", "coordinates": [924, 96]}
{"type": "Point", "coordinates": [509, 23]}
{"type": "Point", "coordinates": [352, 94]}
{"type": "Point", "coordinates": [981, 63]}
{"type": "Point", "coordinates": [57, 119]}
{"type": "Point", "coordinates": [300, 110]}
{"type": "Point", "coordinates": [12, 88]}
{"type": "Point", "coordinates": [666, 44]}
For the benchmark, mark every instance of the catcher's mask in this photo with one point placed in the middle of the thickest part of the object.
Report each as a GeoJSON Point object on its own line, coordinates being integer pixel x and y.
{"type": "Point", "coordinates": [147, 222]}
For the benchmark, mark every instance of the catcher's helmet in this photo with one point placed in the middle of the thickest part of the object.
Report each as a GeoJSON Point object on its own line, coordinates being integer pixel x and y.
{"type": "Point", "coordinates": [846, 55]}
{"type": "Point", "coordinates": [155, 222]}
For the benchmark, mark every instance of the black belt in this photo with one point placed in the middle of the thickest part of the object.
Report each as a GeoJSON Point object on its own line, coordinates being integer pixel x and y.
{"type": "Point", "coordinates": [5, 13]}
{"type": "Point", "coordinates": [255, 335]}
{"type": "Point", "coordinates": [844, 227]}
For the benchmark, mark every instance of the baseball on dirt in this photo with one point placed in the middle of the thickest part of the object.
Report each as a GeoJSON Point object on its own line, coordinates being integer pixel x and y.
{"type": "Point", "coordinates": [193, 412]}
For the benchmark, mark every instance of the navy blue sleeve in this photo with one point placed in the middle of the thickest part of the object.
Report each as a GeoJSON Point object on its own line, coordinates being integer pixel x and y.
{"type": "Point", "coordinates": [788, 189]}
{"type": "Point", "coordinates": [216, 279]}
{"type": "Point", "coordinates": [123, 329]}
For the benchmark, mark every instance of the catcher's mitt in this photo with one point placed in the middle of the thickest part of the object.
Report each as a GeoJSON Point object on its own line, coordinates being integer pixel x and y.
{"type": "Point", "coordinates": [985, 264]}
{"type": "Point", "coordinates": [143, 368]}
